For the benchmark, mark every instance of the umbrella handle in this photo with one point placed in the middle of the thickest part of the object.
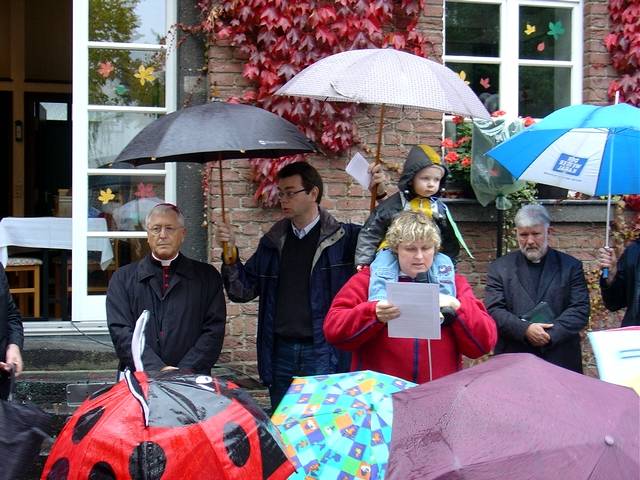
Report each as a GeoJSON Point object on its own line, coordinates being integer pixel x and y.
{"type": "Point", "coordinates": [372, 203]}
{"type": "Point", "coordinates": [226, 253]}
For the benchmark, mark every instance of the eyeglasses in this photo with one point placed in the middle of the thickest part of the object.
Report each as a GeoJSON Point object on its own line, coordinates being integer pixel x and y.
{"type": "Point", "coordinates": [290, 194]}
{"type": "Point", "coordinates": [169, 230]}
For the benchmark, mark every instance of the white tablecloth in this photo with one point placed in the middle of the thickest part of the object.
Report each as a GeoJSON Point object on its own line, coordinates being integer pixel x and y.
{"type": "Point", "coordinates": [50, 232]}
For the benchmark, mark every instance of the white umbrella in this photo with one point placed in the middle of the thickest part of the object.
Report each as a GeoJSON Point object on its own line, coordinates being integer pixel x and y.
{"type": "Point", "coordinates": [131, 215]}
{"type": "Point", "coordinates": [384, 76]}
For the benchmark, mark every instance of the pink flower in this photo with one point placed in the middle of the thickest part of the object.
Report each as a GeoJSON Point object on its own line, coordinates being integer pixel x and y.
{"type": "Point", "coordinates": [463, 141]}
{"type": "Point", "coordinates": [458, 119]}
{"type": "Point", "coordinates": [451, 157]}
{"type": "Point", "coordinates": [448, 143]}
{"type": "Point", "coordinates": [528, 121]}
{"type": "Point", "coordinates": [498, 113]}
{"type": "Point", "coordinates": [466, 162]}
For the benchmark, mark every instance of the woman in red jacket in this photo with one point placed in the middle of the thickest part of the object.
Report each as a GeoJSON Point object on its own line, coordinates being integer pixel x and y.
{"type": "Point", "coordinates": [360, 326]}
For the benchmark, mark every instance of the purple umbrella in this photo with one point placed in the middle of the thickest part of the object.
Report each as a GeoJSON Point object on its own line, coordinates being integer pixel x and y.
{"type": "Point", "coordinates": [515, 417]}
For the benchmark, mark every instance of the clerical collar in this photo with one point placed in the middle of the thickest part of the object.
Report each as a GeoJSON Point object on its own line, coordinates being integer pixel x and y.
{"type": "Point", "coordinates": [165, 263]}
{"type": "Point", "coordinates": [301, 232]}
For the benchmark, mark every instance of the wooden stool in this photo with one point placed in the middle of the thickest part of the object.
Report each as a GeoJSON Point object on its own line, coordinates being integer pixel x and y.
{"type": "Point", "coordinates": [19, 268]}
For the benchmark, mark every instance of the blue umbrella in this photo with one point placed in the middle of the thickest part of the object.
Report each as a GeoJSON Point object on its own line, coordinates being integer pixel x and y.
{"type": "Point", "coordinates": [578, 148]}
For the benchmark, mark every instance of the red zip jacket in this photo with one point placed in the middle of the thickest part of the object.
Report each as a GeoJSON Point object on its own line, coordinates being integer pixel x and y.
{"type": "Point", "coordinates": [351, 324]}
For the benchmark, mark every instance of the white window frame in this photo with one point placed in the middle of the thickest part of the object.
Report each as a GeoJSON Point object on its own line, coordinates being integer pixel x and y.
{"type": "Point", "coordinates": [89, 310]}
{"type": "Point", "coordinates": [509, 49]}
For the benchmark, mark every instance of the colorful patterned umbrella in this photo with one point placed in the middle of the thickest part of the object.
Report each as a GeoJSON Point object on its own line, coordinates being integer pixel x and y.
{"type": "Point", "coordinates": [339, 426]}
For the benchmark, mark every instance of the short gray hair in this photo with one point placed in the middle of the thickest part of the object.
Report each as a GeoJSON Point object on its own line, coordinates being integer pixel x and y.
{"type": "Point", "coordinates": [532, 214]}
{"type": "Point", "coordinates": [161, 209]}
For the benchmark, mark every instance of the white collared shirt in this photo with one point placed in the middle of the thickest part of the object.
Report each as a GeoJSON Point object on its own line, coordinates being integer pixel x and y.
{"type": "Point", "coordinates": [165, 263]}
{"type": "Point", "coordinates": [301, 232]}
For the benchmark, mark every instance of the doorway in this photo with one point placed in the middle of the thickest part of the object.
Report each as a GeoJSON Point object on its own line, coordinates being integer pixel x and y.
{"type": "Point", "coordinates": [48, 162]}
{"type": "Point", "coordinates": [6, 154]}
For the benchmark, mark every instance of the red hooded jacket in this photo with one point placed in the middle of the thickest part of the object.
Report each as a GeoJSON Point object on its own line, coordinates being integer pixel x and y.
{"type": "Point", "coordinates": [351, 324]}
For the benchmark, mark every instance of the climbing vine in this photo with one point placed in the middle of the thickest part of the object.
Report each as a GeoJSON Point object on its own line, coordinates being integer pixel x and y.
{"type": "Point", "coordinates": [623, 44]}
{"type": "Point", "coordinates": [279, 38]}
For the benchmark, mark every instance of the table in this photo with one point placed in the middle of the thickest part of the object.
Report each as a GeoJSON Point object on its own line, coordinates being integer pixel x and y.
{"type": "Point", "coordinates": [51, 233]}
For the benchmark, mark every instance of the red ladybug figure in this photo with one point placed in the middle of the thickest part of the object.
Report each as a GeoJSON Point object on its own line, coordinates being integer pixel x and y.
{"type": "Point", "coordinates": [173, 426]}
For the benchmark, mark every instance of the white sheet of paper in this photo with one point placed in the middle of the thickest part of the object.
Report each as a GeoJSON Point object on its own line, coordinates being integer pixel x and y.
{"type": "Point", "coordinates": [419, 306]}
{"type": "Point", "coordinates": [357, 168]}
{"type": "Point", "coordinates": [617, 354]}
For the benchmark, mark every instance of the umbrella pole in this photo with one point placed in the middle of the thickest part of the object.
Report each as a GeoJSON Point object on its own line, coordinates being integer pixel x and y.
{"type": "Point", "coordinates": [499, 232]}
{"type": "Point", "coordinates": [430, 366]}
{"type": "Point", "coordinates": [374, 193]}
{"type": "Point", "coordinates": [225, 248]}
{"type": "Point", "coordinates": [605, 271]}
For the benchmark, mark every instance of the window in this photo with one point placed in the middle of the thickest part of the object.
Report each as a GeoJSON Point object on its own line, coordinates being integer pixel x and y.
{"type": "Point", "coordinates": [124, 78]}
{"type": "Point", "coordinates": [521, 57]}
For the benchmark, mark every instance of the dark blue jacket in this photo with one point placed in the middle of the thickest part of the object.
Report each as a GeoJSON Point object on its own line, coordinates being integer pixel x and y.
{"type": "Point", "coordinates": [624, 291]}
{"type": "Point", "coordinates": [332, 267]}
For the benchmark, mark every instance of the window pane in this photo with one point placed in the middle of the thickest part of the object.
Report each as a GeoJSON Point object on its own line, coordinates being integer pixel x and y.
{"type": "Point", "coordinates": [126, 77]}
{"type": "Point", "coordinates": [545, 33]}
{"type": "Point", "coordinates": [53, 111]}
{"type": "Point", "coordinates": [122, 250]}
{"type": "Point", "coordinates": [472, 29]}
{"type": "Point", "coordinates": [109, 133]}
{"type": "Point", "coordinates": [543, 90]}
{"type": "Point", "coordinates": [139, 21]}
{"type": "Point", "coordinates": [124, 201]}
{"type": "Point", "coordinates": [483, 79]}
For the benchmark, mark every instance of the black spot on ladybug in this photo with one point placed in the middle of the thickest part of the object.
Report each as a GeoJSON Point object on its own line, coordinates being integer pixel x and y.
{"type": "Point", "coordinates": [60, 470]}
{"type": "Point", "coordinates": [102, 471]}
{"type": "Point", "coordinates": [147, 462]}
{"type": "Point", "coordinates": [237, 443]}
{"type": "Point", "coordinates": [271, 453]}
{"type": "Point", "coordinates": [86, 423]}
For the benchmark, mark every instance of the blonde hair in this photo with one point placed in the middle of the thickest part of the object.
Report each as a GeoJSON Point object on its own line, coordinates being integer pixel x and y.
{"type": "Point", "coordinates": [411, 227]}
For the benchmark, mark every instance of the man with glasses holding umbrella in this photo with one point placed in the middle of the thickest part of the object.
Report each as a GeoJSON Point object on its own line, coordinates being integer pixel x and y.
{"type": "Point", "coordinates": [299, 266]}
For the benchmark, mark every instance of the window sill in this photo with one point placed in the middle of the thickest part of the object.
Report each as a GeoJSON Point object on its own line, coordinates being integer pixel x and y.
{"type": "Point", "coordinates": [561, 211]}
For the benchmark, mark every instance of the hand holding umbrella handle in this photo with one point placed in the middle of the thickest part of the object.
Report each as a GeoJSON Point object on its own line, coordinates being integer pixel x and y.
{"type": "Point", "coordinates": [607, 261]}
{"type": "Point", "coordinates": [227, 253]}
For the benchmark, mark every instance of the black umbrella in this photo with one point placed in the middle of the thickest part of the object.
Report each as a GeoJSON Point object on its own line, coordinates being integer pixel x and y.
{"type": "Point", "coordinates": [215, 131]}
{"type": "Point", "coordinates": [23, 427]}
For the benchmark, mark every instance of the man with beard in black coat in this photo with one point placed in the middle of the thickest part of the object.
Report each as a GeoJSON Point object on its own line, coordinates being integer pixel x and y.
{"type": "Point", "coordinates": [184, 297]}
{"type": "Point", "coordinates": [538, 295]}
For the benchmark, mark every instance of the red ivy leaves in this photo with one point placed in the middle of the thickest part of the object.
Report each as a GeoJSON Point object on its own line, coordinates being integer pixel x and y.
{"type": "Point", "coordinates": [623, 44]}
{"type": "Point", "coordinates": [281, 37]}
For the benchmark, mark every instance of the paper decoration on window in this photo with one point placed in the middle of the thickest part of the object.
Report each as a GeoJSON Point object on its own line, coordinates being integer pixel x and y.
{"type": "Point", "coordinates": [530, 29]}
{"type": "Point", "coordinates": [145, 74]}
{"type": "Point", "coordinates": [485, 83]}
{"type": "Point", "coordinates": [556, 30]}
{"type": "Point", "coordinates": [540, 47]}
{"type": "Point", "coordinates": [106, 196]}
{"type": "Point", "coordinates": [105, 69]}
{"type": "Point", "coordinates": [145, 191]}
{"type": "Point", "coordinates": [121, 89]}
{"type": "Point", "coordinates": [463, 75]}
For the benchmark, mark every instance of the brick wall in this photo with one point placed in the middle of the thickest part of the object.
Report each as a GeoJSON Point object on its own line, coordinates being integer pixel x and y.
{"type": "Point", "coordinates": [347, 202]}
{"type": "Point", "coordinates": [597, 69]}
